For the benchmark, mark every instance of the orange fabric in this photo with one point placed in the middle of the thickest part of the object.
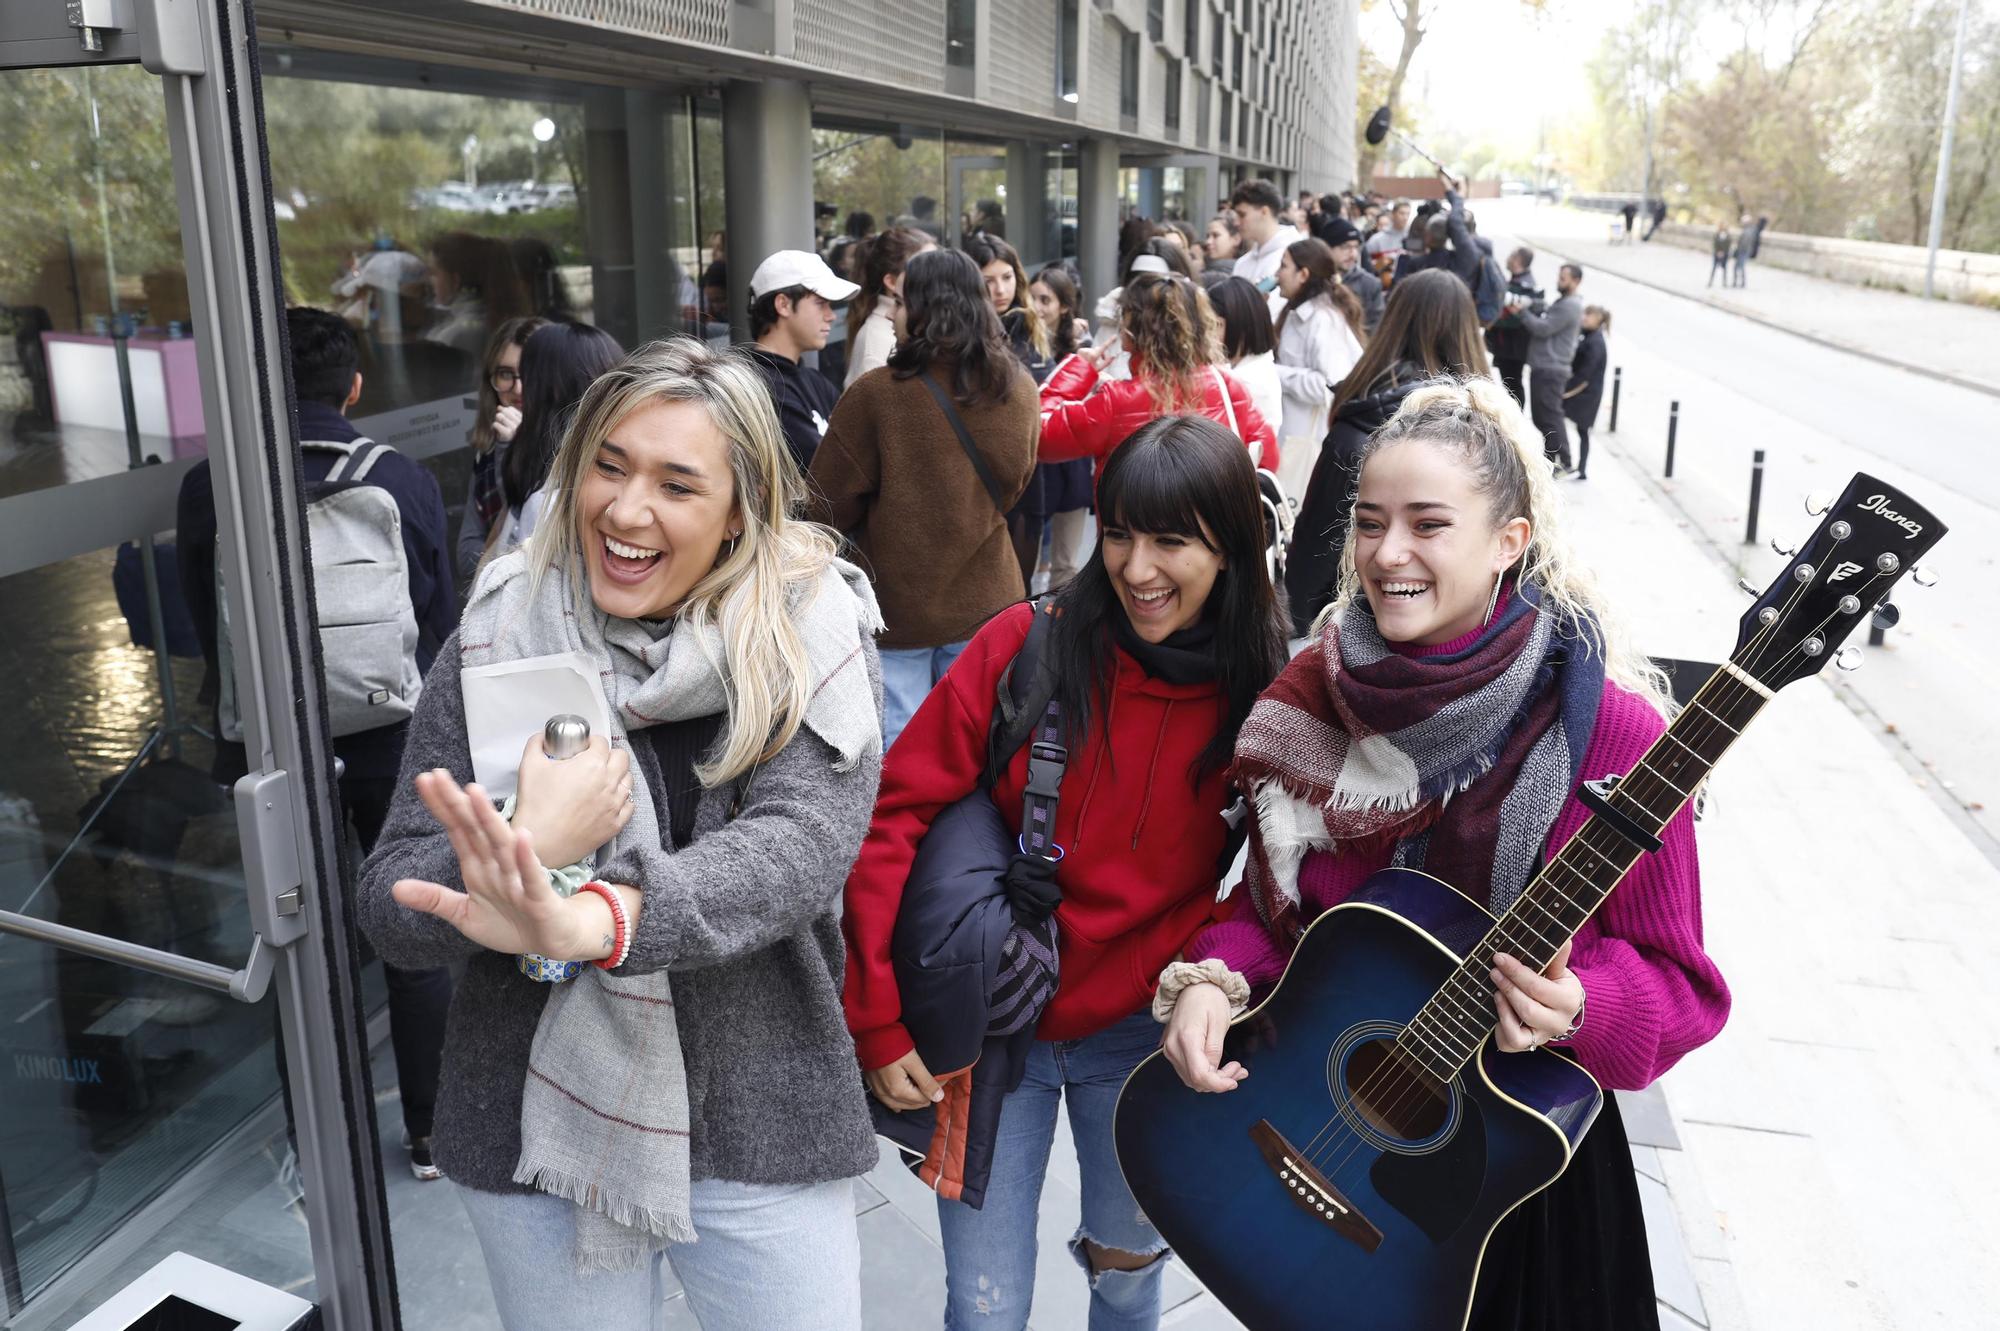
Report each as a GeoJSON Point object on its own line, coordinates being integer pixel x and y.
{"type": "Point", "coordinates": [944, 1166]}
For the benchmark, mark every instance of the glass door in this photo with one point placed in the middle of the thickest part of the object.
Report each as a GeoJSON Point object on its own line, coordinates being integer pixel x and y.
{"type": "Point", "coordinates": [183, 1053]}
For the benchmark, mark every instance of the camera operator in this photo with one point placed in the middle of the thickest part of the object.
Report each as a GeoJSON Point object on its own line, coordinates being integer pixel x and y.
{"type": "Point", "coordinates": [1507, 339]}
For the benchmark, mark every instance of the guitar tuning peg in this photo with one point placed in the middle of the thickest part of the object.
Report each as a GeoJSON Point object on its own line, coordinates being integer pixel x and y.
{"type": "Point", "coordinates": [1848, 658]}
{"type": "Point", "coordinates": [1923, 575]}
{"type": "Point", "coordinates": [1818, 502]}
{"type": "Point", "coordinates": [1782, 550]}
{"type": "Point", "coordinates": [1749, 588]}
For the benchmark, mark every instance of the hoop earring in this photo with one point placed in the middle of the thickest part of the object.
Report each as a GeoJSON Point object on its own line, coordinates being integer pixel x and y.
{"type": "Point", "coordinates": [1493, 601]}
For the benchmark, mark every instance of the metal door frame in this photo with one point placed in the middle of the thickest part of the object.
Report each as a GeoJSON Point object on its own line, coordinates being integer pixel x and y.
{"type": "Point", "coordinates": [205, 55]}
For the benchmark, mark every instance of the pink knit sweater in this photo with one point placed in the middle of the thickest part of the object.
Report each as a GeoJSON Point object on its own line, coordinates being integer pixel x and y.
{"type": "Point", "coordinates": [1652, 992]}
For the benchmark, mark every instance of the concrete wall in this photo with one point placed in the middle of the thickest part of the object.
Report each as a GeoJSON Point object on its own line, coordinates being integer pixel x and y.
{"type": "Point", "coordinates": [1962, 275]}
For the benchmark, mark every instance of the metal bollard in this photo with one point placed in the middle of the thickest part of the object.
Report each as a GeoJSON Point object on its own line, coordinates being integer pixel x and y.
{"type": "Point", "coordinates": [1617, 384]}
{"type": "Point", "coordinates": [1756, 496]}
{"type": "Point", "coordinates": [1673, 431]}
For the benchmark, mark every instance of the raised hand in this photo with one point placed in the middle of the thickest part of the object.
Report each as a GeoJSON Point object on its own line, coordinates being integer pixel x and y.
{"type": "Point", "coordinates": [507, 904]}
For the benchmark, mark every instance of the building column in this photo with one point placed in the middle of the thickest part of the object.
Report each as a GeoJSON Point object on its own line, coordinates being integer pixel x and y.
{"type": "Point", "coordinates": [1152, 191]}
{"type": "Point", "coordinates": [607, 213]}
{"type": "Point", "coordinates": [1029, 225]}
{"type": "Point", "coordinates": [655, 221]}
{"type": "Point", "coordinates": [766, 180]}
{"type": "Point", "coordinates": [1097, 217]}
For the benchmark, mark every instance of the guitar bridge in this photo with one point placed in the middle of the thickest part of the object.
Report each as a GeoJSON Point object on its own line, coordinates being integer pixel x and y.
{"type": "Point", "coordinates": [1310, 1190]}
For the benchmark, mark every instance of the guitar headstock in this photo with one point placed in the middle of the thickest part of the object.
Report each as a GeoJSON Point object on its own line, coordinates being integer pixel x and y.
{"type": "Point", "coordinates": [1869, 540]}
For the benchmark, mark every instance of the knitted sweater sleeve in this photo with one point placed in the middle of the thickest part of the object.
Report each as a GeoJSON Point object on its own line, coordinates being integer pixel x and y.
{"type": "Point", "coordinates": [763, 876]}
{"type": "Point", "coordinates": [1652, 993]}
{"type": "Point", "coordinates": [412, 844]}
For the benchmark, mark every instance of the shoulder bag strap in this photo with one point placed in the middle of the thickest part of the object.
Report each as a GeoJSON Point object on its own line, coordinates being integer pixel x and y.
{"type": "Point", "coordinates": [1228, 407]}
{"type": "Point", "coordinates": [364, 457]}
{"type": "Point", "coordinates": [993, 491]}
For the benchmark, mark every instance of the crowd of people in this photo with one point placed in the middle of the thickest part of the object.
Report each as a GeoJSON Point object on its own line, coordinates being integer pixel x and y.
{"type": "Point", "coordinates": [999, 592]}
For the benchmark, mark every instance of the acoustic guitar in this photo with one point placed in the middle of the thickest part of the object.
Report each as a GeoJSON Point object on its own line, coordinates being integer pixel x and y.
{"type": "Point", "coordinates": [1353, 1181]}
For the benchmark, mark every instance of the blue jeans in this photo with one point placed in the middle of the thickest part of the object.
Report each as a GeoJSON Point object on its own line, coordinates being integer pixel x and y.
{"type": "Point", "coordinates": [989, 1254]}
{"type": "Point", "coordinates": [907, 676]}
{"type": "Point", "coordinates": [769, 1258]}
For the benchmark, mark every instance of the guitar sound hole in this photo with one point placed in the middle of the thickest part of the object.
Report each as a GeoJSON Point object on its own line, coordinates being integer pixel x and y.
{"type": "Point", "coordinates": [1392, 1096]}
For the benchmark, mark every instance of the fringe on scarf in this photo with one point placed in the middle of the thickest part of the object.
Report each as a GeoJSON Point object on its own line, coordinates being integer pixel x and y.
{"type": "Point", "coordinates": [650, 1227]}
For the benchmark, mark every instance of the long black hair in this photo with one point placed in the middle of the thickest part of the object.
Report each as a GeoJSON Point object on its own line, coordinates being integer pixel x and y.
{"type": "Point", "coordinates": [1183, 476]}
{"type": "Point", "coordinates": [947, 317]}
{"type": "Point", "coordinates": [558, 361]}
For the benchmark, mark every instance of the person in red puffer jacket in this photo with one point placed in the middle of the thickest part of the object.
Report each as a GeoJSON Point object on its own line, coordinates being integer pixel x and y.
{"type": "Point", "coordinates": [1158, 647]}
{"type": "Point", "coordinates": [1176, 345]}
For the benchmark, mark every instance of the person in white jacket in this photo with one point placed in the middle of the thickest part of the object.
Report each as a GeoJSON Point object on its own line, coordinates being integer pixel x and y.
{"type": "Point", "coordinates": [1319, 339]}
{"type": "Point", "coordinates": [1247, 344]}
{"type": "Point", "coordinates": [871, 318]}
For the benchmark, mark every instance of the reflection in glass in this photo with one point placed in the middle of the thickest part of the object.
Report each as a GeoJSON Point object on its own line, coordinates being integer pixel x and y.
{"type": "Point", "coordinates": [116, 1083]}
{"type": "Point", "coordinates": [89, 233]}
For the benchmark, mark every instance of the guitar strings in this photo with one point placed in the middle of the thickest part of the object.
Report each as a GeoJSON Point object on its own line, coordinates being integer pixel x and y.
{"type": "Point", "coordinates": [1403, 1082]}
{"type": "Point", "coordinates": [1752, 655]}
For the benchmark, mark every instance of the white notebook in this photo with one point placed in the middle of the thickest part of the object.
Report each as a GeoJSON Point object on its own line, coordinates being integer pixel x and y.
{"type": "Point", "coordinates": [507, 702]}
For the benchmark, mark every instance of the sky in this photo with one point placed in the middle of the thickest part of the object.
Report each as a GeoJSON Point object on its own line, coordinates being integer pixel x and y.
{"type": "Point", "coordinates": [1496, 68]}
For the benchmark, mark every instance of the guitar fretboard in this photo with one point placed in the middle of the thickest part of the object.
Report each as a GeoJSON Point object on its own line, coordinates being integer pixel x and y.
{"type": "Point", "coordinates": [1449, 1029]}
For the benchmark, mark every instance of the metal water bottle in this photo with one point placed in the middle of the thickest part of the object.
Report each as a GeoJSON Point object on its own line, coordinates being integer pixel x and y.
{"type": "Point", "coordinates": [565, 736]}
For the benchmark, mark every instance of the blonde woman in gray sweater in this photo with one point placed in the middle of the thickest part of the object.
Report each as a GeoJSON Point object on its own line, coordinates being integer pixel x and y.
{"type": "Point", "coordinates": [661, 1055]}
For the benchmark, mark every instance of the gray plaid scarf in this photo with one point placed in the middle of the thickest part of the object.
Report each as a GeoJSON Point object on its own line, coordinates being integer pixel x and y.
{"type": "Point", "coordinates": [604, 1114]}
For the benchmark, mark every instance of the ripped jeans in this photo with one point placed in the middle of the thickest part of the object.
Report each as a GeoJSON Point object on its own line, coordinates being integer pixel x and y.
{"type": "Point", "coordinates": [989, 1254]}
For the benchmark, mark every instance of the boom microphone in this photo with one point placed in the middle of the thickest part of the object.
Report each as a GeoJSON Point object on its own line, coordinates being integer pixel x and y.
{"type": "Point", "coordinates": [1379, 129]}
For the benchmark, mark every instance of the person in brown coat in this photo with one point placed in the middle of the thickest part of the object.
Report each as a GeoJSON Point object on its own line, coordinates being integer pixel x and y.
{"type": "Point", "coordinates": [919, 466]}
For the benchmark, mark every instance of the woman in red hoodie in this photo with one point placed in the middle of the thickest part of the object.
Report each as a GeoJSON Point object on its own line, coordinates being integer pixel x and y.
{"type": "Point", "coordinates": [1159, 646]}
{"type": "Point", "coordinates": [1167, 324]}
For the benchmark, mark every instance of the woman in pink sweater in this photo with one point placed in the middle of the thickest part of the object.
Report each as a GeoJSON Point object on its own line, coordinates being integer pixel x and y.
{"type": "Point", "coordinates": [1466, 680]}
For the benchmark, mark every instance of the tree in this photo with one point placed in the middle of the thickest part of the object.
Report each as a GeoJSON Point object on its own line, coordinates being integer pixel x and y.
{"type": "Point", "coordinates": [1409, 13]}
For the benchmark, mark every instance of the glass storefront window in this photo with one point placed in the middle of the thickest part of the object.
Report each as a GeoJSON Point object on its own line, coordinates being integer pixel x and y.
{"type": "Point", "coordinates": [118, 1084]}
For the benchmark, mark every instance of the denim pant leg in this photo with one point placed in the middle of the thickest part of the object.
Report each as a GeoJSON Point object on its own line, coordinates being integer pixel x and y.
{"type": "Point", "coordinates": [528, 1240]}
{"type": "Point", "coordinates": [772, 1257]}
{"type": "Point", "coordinates": [1094, 1071]}
{"type": "Point", "coordinates": [989, 1253]}
{"type": "Point", "coordinates": [943, 658]}
{"type": "Point", "coordinates": [906, 681]}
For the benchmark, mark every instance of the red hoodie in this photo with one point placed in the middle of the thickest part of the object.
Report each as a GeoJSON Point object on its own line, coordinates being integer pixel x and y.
{"type": "Point", "coordinates": [1077, 423]}
{"type": "Point", "coordinates": [1139, 871]}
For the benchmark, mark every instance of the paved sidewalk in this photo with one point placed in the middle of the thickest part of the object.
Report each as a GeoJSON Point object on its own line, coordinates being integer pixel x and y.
{"type": "Point", "coordinates": [1823, 1182]}
{"type": "Point", "coordinates": [1941, 339]}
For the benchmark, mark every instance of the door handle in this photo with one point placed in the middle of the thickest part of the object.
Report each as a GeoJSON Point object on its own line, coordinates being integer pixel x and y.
{"type": "Point", "coordinates": [272, 878]}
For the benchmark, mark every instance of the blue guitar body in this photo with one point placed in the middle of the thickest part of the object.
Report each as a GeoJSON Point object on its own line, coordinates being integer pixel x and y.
{"type": "Point", "coordinates": [1328, 1191]}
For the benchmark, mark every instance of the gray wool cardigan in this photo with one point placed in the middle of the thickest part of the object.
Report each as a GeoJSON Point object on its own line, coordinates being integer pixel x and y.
{"type": "Point", "coordinates": [747, 919]}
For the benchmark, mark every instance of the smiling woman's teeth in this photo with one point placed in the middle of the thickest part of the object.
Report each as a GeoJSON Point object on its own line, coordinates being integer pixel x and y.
{"type": "Point", "coordinates": [624, 551]}
{"type": "Point", "coordinates": [1152, 598]}
{"type": "Point", "coordinates": [1405, 590]}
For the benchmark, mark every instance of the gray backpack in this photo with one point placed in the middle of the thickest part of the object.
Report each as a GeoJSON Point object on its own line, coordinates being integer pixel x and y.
{"type": "Point", "coordinates": [361, 583]}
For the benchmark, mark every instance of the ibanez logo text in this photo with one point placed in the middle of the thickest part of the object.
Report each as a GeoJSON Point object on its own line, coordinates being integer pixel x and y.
{"type": "Point", "coordinates": [1879, 506]}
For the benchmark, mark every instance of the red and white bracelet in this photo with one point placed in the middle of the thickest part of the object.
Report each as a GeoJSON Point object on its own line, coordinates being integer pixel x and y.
{"type": "Point", "coordinates": [621, 925]}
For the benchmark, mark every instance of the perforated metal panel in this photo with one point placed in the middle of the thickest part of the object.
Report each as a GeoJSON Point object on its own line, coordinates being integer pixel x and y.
{"type": "Point", "coordinates": [691, 20]}
{"type": "Point", "coordinates": [899, 42]}
{"type": "Point", "coordinates": [1022, 68]}
{"type": "Point", "coordinates": [1100, 99]}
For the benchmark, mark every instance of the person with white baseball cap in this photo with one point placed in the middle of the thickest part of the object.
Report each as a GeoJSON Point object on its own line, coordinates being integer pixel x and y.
{"type": "Point", "coordinates": [792, 295]}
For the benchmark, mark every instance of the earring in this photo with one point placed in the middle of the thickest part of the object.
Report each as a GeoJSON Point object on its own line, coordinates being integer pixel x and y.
{"type": "Point", "coordinates": [1493, 601]}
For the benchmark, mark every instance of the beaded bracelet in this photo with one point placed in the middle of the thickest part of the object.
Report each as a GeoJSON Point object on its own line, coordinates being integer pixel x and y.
{"type": "Point", "coordinates": [621, 926]}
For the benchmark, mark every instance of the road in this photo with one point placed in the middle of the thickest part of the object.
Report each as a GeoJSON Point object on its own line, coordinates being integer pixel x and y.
{"type": "Point", "coordinates": [1819, 414]}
